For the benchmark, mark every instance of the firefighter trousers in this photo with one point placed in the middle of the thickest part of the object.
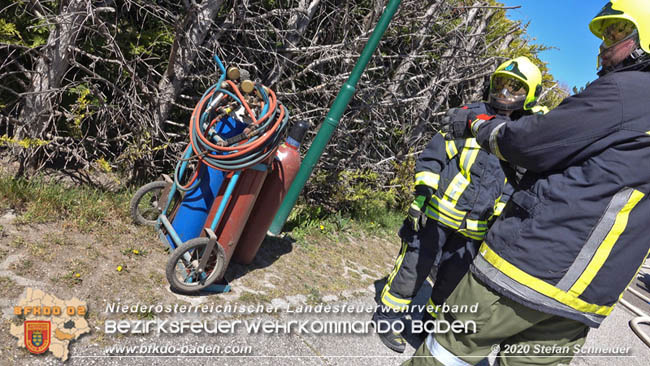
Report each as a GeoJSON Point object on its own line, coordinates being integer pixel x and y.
{"type": "Point", "coordinates": [457, 255]}
{"type": "Point", "coordinates": [420, 252]}
{"type": "Point", "coordinates": [523, 336]}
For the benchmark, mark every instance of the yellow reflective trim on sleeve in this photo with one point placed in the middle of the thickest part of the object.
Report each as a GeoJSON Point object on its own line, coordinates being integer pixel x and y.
{"type": "Point", "coordinates": [494, 144]}
{"type": "Point", "coordinates": [427, 178]}
{"type": "Point", "coordinates": [450, 146]}
{"type": "Point", "coordinates": [540, 286]}
{"type": "Point", "coordinates": [447, 208]}
{"type": "Point", "coordinates": [498, 208]}
{"type": "Point", "coordinates": [606, 246]}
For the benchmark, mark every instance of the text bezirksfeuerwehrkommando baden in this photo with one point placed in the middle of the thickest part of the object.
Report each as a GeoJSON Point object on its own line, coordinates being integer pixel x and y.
{"type": "Point", "coordinates": [274, 326]}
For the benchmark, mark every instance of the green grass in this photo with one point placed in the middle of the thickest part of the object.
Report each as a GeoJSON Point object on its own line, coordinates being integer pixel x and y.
{"type": "Point", "coordinates": [38, 201]}
{"type": "Point", "coordinates": [360, 208]}
{"type": "Point", "coordinates": [362, 211]}
{"type": "Point", "coordinates": [355, 203]}
{"type": "Point", "coordinates": [305, 221]}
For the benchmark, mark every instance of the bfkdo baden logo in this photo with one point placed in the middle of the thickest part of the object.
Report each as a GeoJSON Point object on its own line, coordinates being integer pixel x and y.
{"type": "Point", "coordinates": [37, 335]}
{"type": "Point", "coordinates": [49, 323]}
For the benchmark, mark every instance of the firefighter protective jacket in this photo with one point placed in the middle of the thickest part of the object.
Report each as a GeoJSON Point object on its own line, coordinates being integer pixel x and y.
{"type": "Point", "coordinates": [575, 233]}
{"type": "Point", "coordinates": [466, 181]}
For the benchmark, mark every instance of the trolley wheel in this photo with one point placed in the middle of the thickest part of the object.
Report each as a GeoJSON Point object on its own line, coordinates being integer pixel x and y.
{"type": "Point", "coordinates": [144, 204]}
{"type": "Point", "coordinates": [181, 269]}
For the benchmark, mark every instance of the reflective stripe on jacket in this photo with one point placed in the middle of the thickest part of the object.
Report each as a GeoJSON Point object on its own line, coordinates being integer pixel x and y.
{"type": "Point", "coordinates": [466, 180]}
{"type": "Point", "coordinates": [575, 233]}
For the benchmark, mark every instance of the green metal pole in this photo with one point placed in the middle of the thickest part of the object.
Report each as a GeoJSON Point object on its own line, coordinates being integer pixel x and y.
{"type": "Point", "coordinates": [332, 119]}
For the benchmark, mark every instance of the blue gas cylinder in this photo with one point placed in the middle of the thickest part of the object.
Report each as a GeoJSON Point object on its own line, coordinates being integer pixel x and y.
{"type": "Point", "coordinates": [190, 217]}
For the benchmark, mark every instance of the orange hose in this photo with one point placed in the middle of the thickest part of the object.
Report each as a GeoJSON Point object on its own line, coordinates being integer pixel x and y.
{"type": "Point", "coordinates": [193, 125]}
{"type": "Point", "coordinates": [242, 148]}
{"type": "Point", "coordinates": [243, 101]}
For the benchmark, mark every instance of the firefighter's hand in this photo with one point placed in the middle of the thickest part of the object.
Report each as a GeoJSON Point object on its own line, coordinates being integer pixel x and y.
{"type": "Point", "coordinates": [416, 213]}
{"type": "Point", "coordinates": [417, 218]}
{"type": "Point", "coordinates": [457, 123]}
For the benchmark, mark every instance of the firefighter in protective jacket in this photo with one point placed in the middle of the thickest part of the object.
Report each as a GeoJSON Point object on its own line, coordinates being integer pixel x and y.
{"type": "Point", "coordinates": [574, 234]}
{"type": "Point", "coordinates": [457, 185]}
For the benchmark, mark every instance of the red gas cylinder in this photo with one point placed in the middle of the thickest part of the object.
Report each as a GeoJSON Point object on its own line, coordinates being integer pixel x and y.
{"type": "Point", "coordinates": [238, 208]}
{"type": "Point", "coordinates": [284, 168]}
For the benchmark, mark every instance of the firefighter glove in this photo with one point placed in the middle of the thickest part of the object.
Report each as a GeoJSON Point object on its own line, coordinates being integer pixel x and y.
{"type": "Point", "coordinates": [456, 123]}
{"type": "Point", "coordinates": [417, 216]}
{"type": "Point", "coordinates": [462, 123]}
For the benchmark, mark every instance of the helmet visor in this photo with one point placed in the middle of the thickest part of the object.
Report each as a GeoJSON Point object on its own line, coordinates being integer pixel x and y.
{"type": "Point", "coordinates": [508, 93]}
{"type": "Point", "coordinates": [513, 86]}
{"type": "Point", "coordinates": [616, 31]}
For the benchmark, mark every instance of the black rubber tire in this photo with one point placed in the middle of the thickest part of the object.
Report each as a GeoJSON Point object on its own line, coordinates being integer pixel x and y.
{"type": "Point", "coordinates": [194, 248]}
{"type": "Point", "coordinates": [139, 217]}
